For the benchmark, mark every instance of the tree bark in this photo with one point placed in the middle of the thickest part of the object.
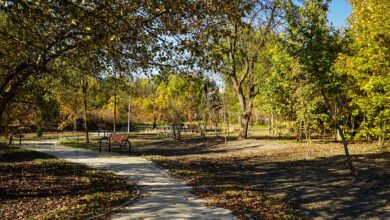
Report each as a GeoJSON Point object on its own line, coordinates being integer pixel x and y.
{"type": "Point", "coordinates": [336, 122]}
{"type": "Point", "coordinates": [203, 126]}
{"type": "Point", "coordinates": [245, 119]}
{"type": "Point", "coordinates": [85, 88]}
{"type": "Point", "coordinates": [299, 138]}
{"type": "Point", "coordinates": [154, 121]}
{"type": "Point", "coordinates": [115, 112]}
{"type": "Point", "coordinates": [246, 107]}
{"type": "Point", "coordinates": [2, 109]}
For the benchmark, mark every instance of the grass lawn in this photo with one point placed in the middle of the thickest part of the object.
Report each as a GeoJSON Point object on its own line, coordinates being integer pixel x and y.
{"type": "Point", "coordinates": [35, 185]}
{"type": "Point", "coordinates": [32, 136]}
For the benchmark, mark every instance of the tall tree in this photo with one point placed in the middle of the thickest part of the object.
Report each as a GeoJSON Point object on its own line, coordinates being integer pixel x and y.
{"type": "Point", "coordinates": [316, 46]}
{"type": "Point", "coordinates": [235, 37]}
{"type": "Point", "coordinates": [368, 62]}
{"type": "Point", "coordinates": [34, 34]}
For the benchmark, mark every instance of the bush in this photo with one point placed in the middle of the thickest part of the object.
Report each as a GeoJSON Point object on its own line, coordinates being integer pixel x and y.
{"type": "Point", "coordinates": [39, 131]}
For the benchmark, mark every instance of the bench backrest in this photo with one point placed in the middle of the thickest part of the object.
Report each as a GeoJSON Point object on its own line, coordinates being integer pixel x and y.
{"type": "Point", "coordinates": [118, 138]}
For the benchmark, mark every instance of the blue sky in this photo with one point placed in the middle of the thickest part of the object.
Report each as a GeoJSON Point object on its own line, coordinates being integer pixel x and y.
{"type": "Point", "coordinates": [339, 11]}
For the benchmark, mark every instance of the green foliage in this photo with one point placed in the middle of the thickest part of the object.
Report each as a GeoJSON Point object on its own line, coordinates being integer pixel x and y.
{"type": "Point", "coordinates": [295, 80]}
{"type": "Point", "coordinates": [316, 45]}
{"type": "Point", "coordinates": [368, 64]}
{"type": "Point", "coordinates": [39, 131]}
{"type": "Point", "coordinates": [235, 42]}
{"type": "Point", "coordinates": [36, 36]}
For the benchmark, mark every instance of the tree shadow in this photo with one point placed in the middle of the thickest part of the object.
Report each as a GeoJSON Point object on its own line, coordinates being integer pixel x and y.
{"type": "Point", "coordinates": [31, 175]}
{"type": "Point", "coordinates": [12, 154]}
{"type": "Point", "coordinates": [155, 145]}
{"type": "Point", "coordinates": [320, 187]}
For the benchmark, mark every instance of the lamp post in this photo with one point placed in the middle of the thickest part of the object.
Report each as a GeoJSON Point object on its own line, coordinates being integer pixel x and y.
{"type": "Point", "coordinates": [128, 116]}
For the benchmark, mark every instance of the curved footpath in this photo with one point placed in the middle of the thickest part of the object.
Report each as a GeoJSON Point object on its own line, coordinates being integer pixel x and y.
{"type": "Point", "coordinates": [164, 197]}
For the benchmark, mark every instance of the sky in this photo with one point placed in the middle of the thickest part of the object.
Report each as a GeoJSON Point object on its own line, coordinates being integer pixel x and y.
{"type": "Point", "coordinates": [339, 10]}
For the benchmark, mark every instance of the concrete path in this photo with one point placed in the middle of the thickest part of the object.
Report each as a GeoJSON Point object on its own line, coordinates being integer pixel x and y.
{"type": "Point", "coordinates": [165, 197]}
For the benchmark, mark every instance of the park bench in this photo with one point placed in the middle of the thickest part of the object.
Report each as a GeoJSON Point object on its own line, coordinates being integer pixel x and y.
{"type": "Point", "coordinates": [115, 139]}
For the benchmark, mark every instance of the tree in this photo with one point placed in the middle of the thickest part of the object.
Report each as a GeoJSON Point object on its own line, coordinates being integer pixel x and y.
{"type": "Point", "coordinates": [368, 63]}
{"type": "Point", "coordinates": [316, 46]}
{"type": "Point", "coordinates": [143, 101]}
{"type": "Point", "coordinates": [34, 34]}
{"type": "Point", "coordinates": [172, 102]}
{"type": "Point", "coordinates": [115, 83]}
{"type": "Point", "coordinates": [234, 41]}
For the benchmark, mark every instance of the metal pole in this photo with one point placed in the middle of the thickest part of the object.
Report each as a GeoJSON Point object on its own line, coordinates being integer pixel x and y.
{"type": "Point", "coordinates": [224, 116]}
{"type": "Point", "coordinates": [128, 117]}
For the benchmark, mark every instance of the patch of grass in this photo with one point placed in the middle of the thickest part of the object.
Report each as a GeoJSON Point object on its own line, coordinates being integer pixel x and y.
{"type": "Point", "coordinates": [81, 143]}
{"type": "Point", "coordinates": [41, 138]}
{"type": "Point", "coordinates": [92, 145]}
{"type": "Point", "coordinates": [39, 186]}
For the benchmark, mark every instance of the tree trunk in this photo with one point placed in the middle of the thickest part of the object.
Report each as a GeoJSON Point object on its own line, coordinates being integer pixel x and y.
{"type": "Point", "coordinates": [228, 125]}
{"type": "Point", "coordinates": [336, 122]}
{"type": "Point", "coordinates": [381, 141]}
{"type": "Point", "coordinates": [154, 121]}
{"type": "Point", "coordinates": [246, 112]}
{"type": "Point", "coordinates": [344, 140]}
{"type": "Point", "coordinates": [178, 132]}
{"type": "Point", "coordinates": [245, 118]}
{"type": "Point", "coordinates": [306, 132]}
{"type": "Point", "coordinates": [4, 101]}
{"type": "Point", "coordinates": [224, 116]}
{"type": "Point", "coordinates": [203, 128]}
{"type": "Point", "coordinates": [85, 88]}
{"type": "Point", "coordinates": [6, 126]}
{"type": "Point", "coordinates": [300, 131]}
{"type": "Point", "coordinates": [352, 128]}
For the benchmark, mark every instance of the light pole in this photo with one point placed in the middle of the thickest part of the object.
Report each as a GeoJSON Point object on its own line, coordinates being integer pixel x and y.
{"type": "Point", "coordinates": [128, 117]}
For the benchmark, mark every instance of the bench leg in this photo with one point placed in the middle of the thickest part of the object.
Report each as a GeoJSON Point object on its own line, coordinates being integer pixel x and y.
{"type": "Point", "coordinates": [120, 149]}
{"type": "Point", "coordinates": [100, 147]}
{"type": "Point", "coordinates": [109, 147]}
{"type": "Point", "coordinates": [129, 147]}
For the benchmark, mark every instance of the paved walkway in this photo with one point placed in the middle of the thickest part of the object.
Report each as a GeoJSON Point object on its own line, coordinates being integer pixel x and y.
{"type": "Point", "coordinates": [165, 197]}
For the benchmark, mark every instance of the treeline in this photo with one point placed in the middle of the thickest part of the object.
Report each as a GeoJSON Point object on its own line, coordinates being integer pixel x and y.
{"type": "Point", "coordinates": [279, 62]}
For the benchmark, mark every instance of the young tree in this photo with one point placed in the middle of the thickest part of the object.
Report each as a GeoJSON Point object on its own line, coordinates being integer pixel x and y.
{"type": "Point", "coordinates": [316, 46]}
{"type": "Point", "coordinates": [171, 100]}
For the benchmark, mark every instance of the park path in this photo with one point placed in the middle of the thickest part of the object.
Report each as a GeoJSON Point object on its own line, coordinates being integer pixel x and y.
{"type": "Point", "coordinates": [164, 197]}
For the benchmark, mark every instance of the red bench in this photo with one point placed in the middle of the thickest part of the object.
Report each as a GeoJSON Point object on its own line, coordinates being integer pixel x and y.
{"type": "Point", "coordinates": [115, 139]}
